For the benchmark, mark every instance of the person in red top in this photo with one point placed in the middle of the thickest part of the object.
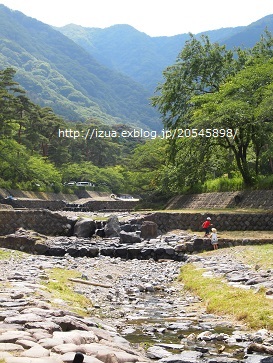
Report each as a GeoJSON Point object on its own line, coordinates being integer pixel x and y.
{"type": "Point", "coordinates": [206, 226]}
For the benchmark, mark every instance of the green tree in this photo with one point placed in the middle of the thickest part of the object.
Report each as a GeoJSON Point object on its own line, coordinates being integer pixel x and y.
{"type": "Point", "coordinates": [212, 87]}
{"type": "Point", "coordinates": [200, 68]}
{"type": "Point", "coordinates": [42, 172]}
{"type": "Point", "coordinates": [243, 105]}
{"type": "Point", "coordinates": [9, 98]}
{"type": "Point", "coordinates": [146, 168]}
{"type": "Point", "coordinates": [14, 158]}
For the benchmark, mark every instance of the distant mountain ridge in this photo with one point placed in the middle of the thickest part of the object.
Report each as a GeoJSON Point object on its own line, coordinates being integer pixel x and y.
{"type": "Point", "coordinates": [143, 58]}
{"type": "Point", "coordinates": [57, 72]}
{"type": "Point", "coordinates": [103, 74]}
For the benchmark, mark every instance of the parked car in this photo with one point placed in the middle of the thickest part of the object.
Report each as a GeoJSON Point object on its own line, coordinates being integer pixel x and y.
{"type": "Point", "coordinates": [83, 184]}
{"type": "Point", "coordinates": [71, 183]}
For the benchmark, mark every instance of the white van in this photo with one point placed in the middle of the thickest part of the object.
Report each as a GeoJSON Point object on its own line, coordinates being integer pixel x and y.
{"type": "Point", "coordinates": [83, 184]}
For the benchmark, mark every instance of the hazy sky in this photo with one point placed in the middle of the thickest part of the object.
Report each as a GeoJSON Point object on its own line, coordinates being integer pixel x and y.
{"type": "Point", "coordinates": [153, 17]}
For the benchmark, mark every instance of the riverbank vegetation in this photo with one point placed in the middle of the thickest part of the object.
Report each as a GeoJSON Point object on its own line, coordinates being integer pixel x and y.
{"type": "Point", "coordinates": [62, 290]}
{"type": "Point", "coordinates": [6, 254]}
{"type": "Point", "coordinates": [216, 107]}
{"type": "Point", "coordinates": [221, 298]}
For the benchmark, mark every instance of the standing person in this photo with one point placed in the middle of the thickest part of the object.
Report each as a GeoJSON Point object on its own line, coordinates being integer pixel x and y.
{"type": "Point", "coordinates": [206, 226]}
{"type": "Point", "coordinates": [214, 238]}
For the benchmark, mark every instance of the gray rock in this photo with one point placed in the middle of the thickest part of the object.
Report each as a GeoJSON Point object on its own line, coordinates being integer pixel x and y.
{"type": "Point", "coordinates": [112, 227]}
{"type": "Point", "coordinates": [149, 230]}
{"type": "Point", "coordinates": [126, 227]}
{"type": "Point", "coordinates": [10, 347]}
{"type": "Point", "coordinates": [49, 326]}
{"type": "Point", "coordinates": [179, 326]}
{"type": "Point", "coordinates": [36, 352]}
{"type": "Point", "coordinates": [129, 237]}
{"type": "Point", "coordinates": [185, 357]}
{"type": "Point", "coordinates": [23, 318]}
{"type": "Point", "coordinates": [67, 323]}
{"type": "Point", "coordinates": [84, 228]}
{"type": "Point", "coordinates": [157, 352]}
{"type": "Point", "coordinates": [65, 348]}
{"type": "Point", "coordinates": [223, 360]}
{"type": "Point", "coordinates": [255, 280]}
{"type": "Point", "coordinates": [13, 336]}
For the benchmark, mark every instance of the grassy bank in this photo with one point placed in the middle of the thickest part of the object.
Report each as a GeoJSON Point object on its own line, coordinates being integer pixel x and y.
{"type": "Point", "coordinates": [256, 256]}
{"type": "Point", "coordinates": [219, 298]}
{"type": "Point", "coordinates": [62, 289]}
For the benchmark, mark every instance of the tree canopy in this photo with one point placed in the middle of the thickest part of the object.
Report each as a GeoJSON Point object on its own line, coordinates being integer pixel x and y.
{"type": "Point", "coordinates": [223, 98]}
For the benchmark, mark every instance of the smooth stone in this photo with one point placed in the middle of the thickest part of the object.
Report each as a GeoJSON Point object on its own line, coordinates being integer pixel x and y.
{"type": "Point", "coordinates": [26, 343]}
{"type": "Point", "coordinates": [36, 352]}
{"type": "Point", "coordinates": [10, 347]}
{"type": "Point", "coordinates": [157, 352]}
{"type": "Point", "coordinates": [12, 336]}
{"type": "Point", "coordinates": [33, 360]}
{"type": "Point", "coordinates": [185, 357]}
{"type": "Point", "coordinates": [23, 318]}
{"type": "Point", "coordinates": [65, 348]}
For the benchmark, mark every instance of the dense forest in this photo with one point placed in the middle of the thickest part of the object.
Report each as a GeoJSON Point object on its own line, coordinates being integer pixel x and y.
{"type": "Point", "coordinates": [216, 106]}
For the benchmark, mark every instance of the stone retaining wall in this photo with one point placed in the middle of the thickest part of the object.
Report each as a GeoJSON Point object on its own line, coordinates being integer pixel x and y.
{"type": "Point", "coordinates": [57, 205]}
{"type": "Point", "coordinates": [96, 205]}
{"type": "Point", "coordinates": [257, 199]}
{"type": "Point", "coordinates": [42, 221]}
{"type": "Point", "coordinates": [222, 222]}
{"type": "Point", "coordinates": [53, 205]}
{"type": "Point", "coordinates": [49, 223]}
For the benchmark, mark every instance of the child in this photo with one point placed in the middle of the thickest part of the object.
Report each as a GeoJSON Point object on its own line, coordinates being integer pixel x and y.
{"type": "Point", "coordinates": [206, 226]}
{"type": "Point", "coordinates": [214, 238]}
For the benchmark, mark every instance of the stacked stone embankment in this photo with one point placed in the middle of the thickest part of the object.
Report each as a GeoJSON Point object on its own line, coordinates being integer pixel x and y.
{"type": "Point", "coordinates": [249, 199]}
{"type": "Point", "coordinates": [222, 221]}
{"type": "Point", "coordinates": [50, 223]}
{"type": "Point", "coordinates": [42, 221]}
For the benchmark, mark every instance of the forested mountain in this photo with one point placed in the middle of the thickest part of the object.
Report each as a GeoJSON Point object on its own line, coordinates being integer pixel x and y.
{"type": "Point", "coordinates": [143, 58]}
{"type": "Point", "coordinates": [58, 73]}
{"type": "Point", "coordinates": [125, 49]}
{"type": "Point", "coordinates": [90, 73]}
{"type": "Point", "coordinates": [215, 105]}
{"type": "Point", "coordinates": [250, 34]}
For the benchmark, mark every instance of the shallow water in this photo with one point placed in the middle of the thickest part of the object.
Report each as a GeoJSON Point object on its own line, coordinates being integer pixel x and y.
{"type": "Point", "coordinates": [149, 323]}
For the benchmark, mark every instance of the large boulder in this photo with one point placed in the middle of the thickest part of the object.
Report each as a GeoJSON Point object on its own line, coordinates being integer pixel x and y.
{"type": "Point", "coordinates": [85, 228]}
{"type": "Point", "coordinates": [148, 230]}
{"type": "Point", "coordinates": [112, 227]}
{"type": "Point", "coordinates": [129, 237]}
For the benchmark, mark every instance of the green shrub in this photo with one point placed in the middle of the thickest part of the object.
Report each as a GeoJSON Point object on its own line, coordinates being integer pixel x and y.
{"type": "Point", "coordinates": [223, 184]}
{"type": "Point", "coordinates": [265, 182]}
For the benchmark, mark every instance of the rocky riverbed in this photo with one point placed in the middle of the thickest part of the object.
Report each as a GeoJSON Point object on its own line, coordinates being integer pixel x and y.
{"type": "Point", "coordinates": [139, 312]}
